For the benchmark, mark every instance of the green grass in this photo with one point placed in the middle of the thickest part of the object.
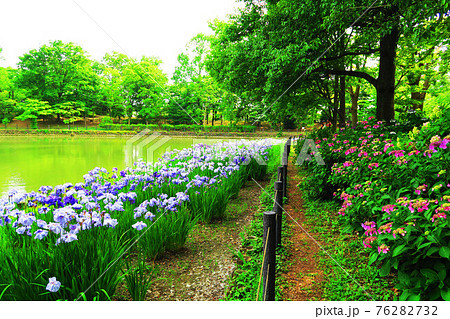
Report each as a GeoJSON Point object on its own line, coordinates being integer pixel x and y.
{"type": "Point", "coordinates": [246, 279]}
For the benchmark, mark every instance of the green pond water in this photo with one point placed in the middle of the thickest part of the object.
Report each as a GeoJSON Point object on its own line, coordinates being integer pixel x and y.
{"type": "Point", "coordinates": [28, 162]}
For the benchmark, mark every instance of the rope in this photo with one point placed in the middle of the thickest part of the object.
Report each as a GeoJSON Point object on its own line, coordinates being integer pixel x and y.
{"type": "Point", "coordinates": [262, 265]}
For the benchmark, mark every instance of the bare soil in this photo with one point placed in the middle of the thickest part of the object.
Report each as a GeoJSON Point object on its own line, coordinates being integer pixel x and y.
{"type": "Point", "coordinates": [303, 275]}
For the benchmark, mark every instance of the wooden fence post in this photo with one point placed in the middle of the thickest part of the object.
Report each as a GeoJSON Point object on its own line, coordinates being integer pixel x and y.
{"type": "Point", "coordinates": [280, 174]}
{"type": "Point", "coordinates": [269, 257]}
{"type": "Point", "coordinates": [285, 180]}
{"type": "Point", "coordinates": [289, 145]}
{"type": "Point", "coordinates": [278, 209]}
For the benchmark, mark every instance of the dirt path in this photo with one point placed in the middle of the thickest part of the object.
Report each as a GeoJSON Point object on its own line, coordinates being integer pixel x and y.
{"type": "Point", "coordinates": [303, 276]}
{"type": "Point", "coordinates": [202, 269]}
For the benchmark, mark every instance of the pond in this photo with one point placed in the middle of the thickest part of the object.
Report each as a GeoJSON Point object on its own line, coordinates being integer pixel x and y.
{"type": "Point", "coordinates": [28, 162]}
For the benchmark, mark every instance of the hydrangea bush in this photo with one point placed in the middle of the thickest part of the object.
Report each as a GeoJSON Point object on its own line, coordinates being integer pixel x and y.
{"type": "Point", "coordinates": [394, 189]}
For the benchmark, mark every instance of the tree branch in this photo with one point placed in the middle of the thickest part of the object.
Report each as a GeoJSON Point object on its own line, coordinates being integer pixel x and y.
{"type": "Point", "coordinates": [399, 80]}
{"type": "Point", "coordinates": [357, 74]}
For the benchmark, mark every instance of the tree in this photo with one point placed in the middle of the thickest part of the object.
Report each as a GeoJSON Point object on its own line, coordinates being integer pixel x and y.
{"type": "Point", "coordinates": [183, 106]}
{"type": "Point", "coordinates": [9, 94]}
{"type": "Point", "coordinates": [35, 109]}
{"type": "Point", "coordinates": [191, 64]}
{"type": "Point", "coordinates": [7, 104]}
{"type": "Point", "coordinates": [58, 73]}
{"type": "Point", "coordinates": [269, 44]}
{"type": "Point", "coordinates": [150, 87]}
{"type": "Point", "coordinates": [422, 62]}
{"type": "Point", "coordinates": [111, 78]}
{"type": "Point", "coordinates": [191, 82]}
{"type": "Point", "coordinates": [133, 87]}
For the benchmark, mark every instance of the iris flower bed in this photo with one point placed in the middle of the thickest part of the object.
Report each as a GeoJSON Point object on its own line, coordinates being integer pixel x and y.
{"type": "Point", "coordinates": [394, 189]}
{"type": "Point", "coordinates": [68, 241]}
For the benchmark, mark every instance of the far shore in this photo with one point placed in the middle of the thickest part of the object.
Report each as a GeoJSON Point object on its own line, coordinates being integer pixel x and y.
{"type": "Point", "coordinates": [105, 133]}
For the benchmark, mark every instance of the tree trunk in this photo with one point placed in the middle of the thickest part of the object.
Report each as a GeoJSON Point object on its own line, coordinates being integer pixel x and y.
{"type": "Point", "coordinates": [354, 95]}
{"type": "Point", "coordinates": [386, 76]}
{"type": "Point", "coordinates": [418, 94]}
{"type": "Point", "coordinates": [335, 101]}
{"type": "Point", "coordinates": [342, 102]}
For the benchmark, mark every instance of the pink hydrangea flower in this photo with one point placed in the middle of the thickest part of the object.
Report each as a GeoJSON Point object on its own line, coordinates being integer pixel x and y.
{"type": "Point", "coordinates": [389, 208]}
{"type": "Point", "coordinates": [397, 153]}
{"type": "Point", "coordinates": [438, 216]}
{"type": "Point", "coordinates": [420, 189]}
{"type": "Point", "coordinates": [348, 163]}
{"type": "Point", "coordinates": [368, 241]}
{"type": "Point", "coordinates": [383, 249]}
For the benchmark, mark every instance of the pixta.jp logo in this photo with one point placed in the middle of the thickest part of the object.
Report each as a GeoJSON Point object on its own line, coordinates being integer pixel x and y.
{"type": "Point", "coordinates": [146, 146]}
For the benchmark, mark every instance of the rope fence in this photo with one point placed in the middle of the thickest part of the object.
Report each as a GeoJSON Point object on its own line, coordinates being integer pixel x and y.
{"type": "Point", "coordinates": [272, 228]}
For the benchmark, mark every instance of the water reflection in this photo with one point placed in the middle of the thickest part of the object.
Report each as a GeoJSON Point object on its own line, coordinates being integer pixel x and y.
{"type": "Point", "coordinates": [28, 162]}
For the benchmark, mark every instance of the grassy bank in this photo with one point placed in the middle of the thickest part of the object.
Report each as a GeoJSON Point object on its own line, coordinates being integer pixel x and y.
{"type": "Point", "coordinates": [100, 132]}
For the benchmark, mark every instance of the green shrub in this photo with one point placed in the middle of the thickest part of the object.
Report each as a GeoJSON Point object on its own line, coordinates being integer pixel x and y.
{"type": "Point", "coordinates": [394, 187]}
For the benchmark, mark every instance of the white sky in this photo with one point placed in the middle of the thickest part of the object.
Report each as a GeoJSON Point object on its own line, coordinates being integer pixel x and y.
{"type": "Point", "coordinates": [158, 28]}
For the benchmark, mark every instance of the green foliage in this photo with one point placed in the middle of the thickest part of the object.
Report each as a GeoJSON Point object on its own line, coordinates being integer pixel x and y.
{"type": "Point", "coordinates": [138, 278]}
{"type": "Point", "coordinates": [184, 105]}
{"type": "Point", "coordinates": [395, 189]}
{"type": "Point", "coordinates": [27, 264]}
{"type": "Point", "coordinates": [348, 254]}
{"type": "Point", "coordinates": [195, 94]}
{"type": "Point", "coordinates": [276, 51]}
{"type": "Point", "coordinates": [106, 121]}
{"type": "Point", "coordinates": [181, 127]}
{"type": "Point", "coordinates": [58, 73]}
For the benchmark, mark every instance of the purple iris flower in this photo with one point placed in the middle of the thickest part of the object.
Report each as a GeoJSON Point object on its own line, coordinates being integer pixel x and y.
{"type": "Point", "coordinates": [43, 210]}
{"type": "Point", "coordinates": [26, 219]}
{"type": "Point", "coordinates": [53, 284]}
{"type": "Point", "coordinates": [40, 234]}
{"type": "Point", "coordinates": [60, 217]}
{"type": "Point", "coordinates": [45, 189]}
{"type": "Point", "coordinates": [139, 226]}
{"type": "Point", "coordinates": [41, 223]}
{"type": "Point", "coordinates": [149, 215]}
{"type": "Point", "coordinates": [69, 237]}
{"type": "Point", "coordinates": [77, 206]}
{"type": "Point", "coordinates": [110, 222]}
{"type": "Point", "coordinates": [70, 200]}
{"type": "Point", "coordinates": [74, 228]}
{"type": "Point", "coordinates": [55, 228]}
{"type": "Point", "coordinates": [21, 230]}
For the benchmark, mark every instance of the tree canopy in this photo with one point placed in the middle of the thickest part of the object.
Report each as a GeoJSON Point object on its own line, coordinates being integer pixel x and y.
{"type": "Point", "coordinates": [267, 47]}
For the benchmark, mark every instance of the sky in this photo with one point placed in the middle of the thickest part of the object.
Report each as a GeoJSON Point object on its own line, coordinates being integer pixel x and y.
{"type": "Point", "coordinates": [159, 28]}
